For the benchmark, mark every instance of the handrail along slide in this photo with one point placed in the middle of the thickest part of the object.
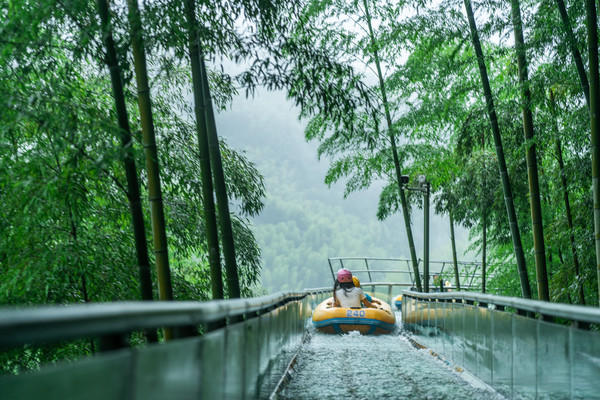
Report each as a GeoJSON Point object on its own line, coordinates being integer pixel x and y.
{"type": "Point", "coordinates": [469, 274]}
{"type": "Point", "coordinates": [245, 348]}
{"type": "Point", "coordinates": [46, 324]}
{"type": "Point", "coordinates": [528, 353]}
{"type": "Point", "coordinates": [240, 358]}
{"type": "Point", "coordinates": [247, 344]}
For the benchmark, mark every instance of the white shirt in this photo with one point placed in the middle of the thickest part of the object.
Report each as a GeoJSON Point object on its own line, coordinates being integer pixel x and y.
{"type": "Point", "coordinates": [351, 298]}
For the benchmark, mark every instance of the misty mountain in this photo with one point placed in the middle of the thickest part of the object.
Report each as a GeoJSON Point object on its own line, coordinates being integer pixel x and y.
{"type": "Point", "coordinates": [304, 222]}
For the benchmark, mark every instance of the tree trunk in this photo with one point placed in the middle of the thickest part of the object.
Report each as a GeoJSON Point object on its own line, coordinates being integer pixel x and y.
{"type": "Point", "coordinates": [208, 202]}
{"type": "Point", "coordinates": [86, 299]}
{"type": "Point", "coordinates": [483, 251]}
{"type": "Point", "coordinates": [159, 235]}
{"type": "Point", "coordinates": [566, 282]}
{"type": "Point", "coordinates": [84, 288]}
{"type": "Point", "coordinates": [591, 22]}
{"type": "Point", "coordinates": [454, 260]}
{"type": "Point", "coordinates": [133, 188]}
{"type": "Point", "coordinates": [574, 50]}
{"type": "Point", "coordinates": [483, 215]}
{"type": "Point", "coordinates": [563, 180]}
{"type": "Point", "coordinates": [532, 170]}
{"type": "Point", "coordinates": [386, 107]}
{"type": "Point", "coordinates": [233, 282]}
{"type": "Point", "coordinates": [508, 198]}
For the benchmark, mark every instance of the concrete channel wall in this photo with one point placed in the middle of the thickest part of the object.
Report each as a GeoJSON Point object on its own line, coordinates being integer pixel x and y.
{"type": "Point", "coordinates": [511, 344]}
{"type": "Point", "coordinates": [242, 360]}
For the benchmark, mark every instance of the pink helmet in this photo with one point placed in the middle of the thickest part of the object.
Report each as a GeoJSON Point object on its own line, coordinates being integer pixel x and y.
{"type": "Point", "coordinates": [344, 275]}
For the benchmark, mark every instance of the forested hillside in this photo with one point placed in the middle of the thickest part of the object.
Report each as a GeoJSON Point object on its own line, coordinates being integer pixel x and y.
{"type": "Point", "coordinates": [305, 221]}
{"type": "Point", "coordinates": [117, 183]}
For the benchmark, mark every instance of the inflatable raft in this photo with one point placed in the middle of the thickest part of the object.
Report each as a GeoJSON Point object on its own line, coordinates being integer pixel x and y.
{"type": "Point", "coordinates": [368, 321]}
{"type": "Point", "coordinates": [398, 302]}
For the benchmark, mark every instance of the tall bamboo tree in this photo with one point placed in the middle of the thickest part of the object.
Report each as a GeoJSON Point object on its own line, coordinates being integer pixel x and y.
{"type": "Point", "coordinates": [388, 118]}
{"type": "Point", "coordinates": [484, 214]}
{"type": "Point", "coordinates": [233, 282]}
{"type": "Point", "coordinates": [592, 31]}
{"type": "Point", "coordinates": [564, 17]}
{"type": "Point", "coordinates": [532, 170]}
{"type": "Point", "coordinates": [483, 250]}
{"type": "Point", "coordinates": [585, 87]}
{"type": "Point", "coordinates": [563, 181]}
{"type": "Point", "coordinates": [508, 197]}
{"type": "Point", "coordinates": [208, 201]}
{"type": "Point", "coordinates": [159, 234]}
{"type": "Point", "coordinates": [133, 189]}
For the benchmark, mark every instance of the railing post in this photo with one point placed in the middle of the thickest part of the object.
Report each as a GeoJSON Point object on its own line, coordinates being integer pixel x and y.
{"type": "Point", "coordinates": [537, 357]}
{"type": "Point", "coordinates": [331, 268]}
{"type": "Point", "coordinates": [512, 355]}
{"type": "Point", "coordinates": [185, 331]}
{"type": "Point", "coordinates": [368, 270]}
{"type": "Point", "coordinates": [426, 237]}
{"type": "Point", "coordinates": [113, 342]}
{"type": "Point", "coordinates": [571, 358]}
{"type": "Point", "coordinates": [472, 276]}
{"type": "Point", "coordinates": [424, 277]}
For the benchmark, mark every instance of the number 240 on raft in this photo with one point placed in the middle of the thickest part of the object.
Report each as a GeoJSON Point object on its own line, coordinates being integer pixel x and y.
{"type": "Point", "coordinates": [355, 313]}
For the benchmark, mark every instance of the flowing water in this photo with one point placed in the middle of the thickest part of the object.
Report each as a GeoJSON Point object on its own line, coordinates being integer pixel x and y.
{"type": "Point", "coordinates": [352, 366]}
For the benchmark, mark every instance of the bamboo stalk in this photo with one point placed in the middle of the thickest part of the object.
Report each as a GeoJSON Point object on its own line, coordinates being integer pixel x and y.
{"type": "Point", "coordinates": [483, 251]}
{"type": "Point", "coordinates": [133, 189]}
{"type": "Point", "coordinates": [564, 16]}
{"type": "Point", "coordinates": [224, 218]}
{"type": "Point", "coordinates": [531, 157]}
{"type": "Point", "coordinates": [592, 30]}
{"type": "Point", "coordinates": [563, 181]}
{"type": "Point", "coordinates": [506, 187]}
{"type": "Point", "coordinates": [208, 202]}
{"type": "Point", "coordinates": [386, 107]}
{"type": "Point", "coordinates": [159, 234]}
{"type": "Point", "coordinates": [483, 215]}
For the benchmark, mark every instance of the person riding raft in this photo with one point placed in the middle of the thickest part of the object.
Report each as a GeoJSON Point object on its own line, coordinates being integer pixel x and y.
{"type": "Point", "coordinates": [345, 294]}
{"type": "Point", "coordinates": [356, 282]}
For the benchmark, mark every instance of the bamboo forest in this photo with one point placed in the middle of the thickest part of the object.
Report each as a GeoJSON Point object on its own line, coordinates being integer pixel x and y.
{"type": "Point", "coordinates": [190, 151]}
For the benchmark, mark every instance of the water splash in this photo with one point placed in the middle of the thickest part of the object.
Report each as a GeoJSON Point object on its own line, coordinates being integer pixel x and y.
{"type": "Point", "coordinates": [352, 366]}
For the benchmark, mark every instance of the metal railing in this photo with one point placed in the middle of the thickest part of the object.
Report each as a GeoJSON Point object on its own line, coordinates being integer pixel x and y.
{"type": "Point", "coordinates": [242, 359]}
{"type": "Point", "coordinates": [522, 354]}
{"type": "Point", "coordinates": [468, 271]}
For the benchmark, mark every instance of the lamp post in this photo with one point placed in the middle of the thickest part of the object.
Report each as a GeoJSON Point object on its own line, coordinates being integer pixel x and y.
{"type": "Point", "coordinates": [424, 187]}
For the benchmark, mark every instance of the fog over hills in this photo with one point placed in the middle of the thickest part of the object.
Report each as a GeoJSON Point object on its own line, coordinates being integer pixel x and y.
{"type": "Point", "coordinates": [304, 221]}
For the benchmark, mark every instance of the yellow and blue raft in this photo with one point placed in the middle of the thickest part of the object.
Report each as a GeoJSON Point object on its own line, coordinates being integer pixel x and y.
{"type": "Point", "coordinates": [398, 302]}
{"type": "Point", "coordinates": [368, 321]}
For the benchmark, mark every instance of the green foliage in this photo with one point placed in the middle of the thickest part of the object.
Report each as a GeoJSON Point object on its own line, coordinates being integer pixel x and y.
{"type": "Point", "coordinates": [65, 211]}
{"type": "Point", "coordinates": [433, 82]}
{"type": "Point", "coordinates": [66, 225]}
{"type": "Point", "coordinates": [67, 233]}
